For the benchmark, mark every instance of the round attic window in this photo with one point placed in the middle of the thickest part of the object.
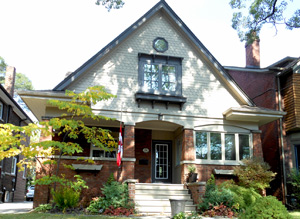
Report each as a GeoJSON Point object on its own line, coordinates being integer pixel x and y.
{"type": "Point", "coordinates": [160, 44]}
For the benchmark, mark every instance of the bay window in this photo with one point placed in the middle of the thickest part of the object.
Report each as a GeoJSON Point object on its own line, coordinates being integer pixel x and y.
{"type": "Point", "coordinates": [215, 147]}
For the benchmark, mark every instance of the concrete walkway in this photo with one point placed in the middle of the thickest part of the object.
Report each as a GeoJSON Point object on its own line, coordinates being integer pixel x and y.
{"type": "Point", "coordinates": [15, 207]}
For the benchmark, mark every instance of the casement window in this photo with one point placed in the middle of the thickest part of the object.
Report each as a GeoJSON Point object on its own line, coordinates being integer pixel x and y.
{"type": "Point", "coordinates": [160, 74]}
{"type": "Point", "coordinates": [98, 152]}
{"type": "Point", "coordinates": [13, 166]}
{"type": "Point", "coordinates": [1, 110]}
{"type": "Point", "coordinates": [215, 147]}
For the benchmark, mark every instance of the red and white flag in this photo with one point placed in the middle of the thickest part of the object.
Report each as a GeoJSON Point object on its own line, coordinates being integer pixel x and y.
{"type": "Point", "coordinates": [120, 148]}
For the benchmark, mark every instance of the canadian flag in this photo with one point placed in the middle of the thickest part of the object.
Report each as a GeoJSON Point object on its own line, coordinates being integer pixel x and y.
{"type": "Point", "coordinates": [120, 148]}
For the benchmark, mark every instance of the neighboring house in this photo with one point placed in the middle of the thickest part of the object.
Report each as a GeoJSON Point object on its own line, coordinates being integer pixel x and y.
{"type": "Point", "coordinates": [12, 182]}
{"type": "Point", "coordinates": [275, 87]}
{"type": "Point", "coordinates": [180, 106]}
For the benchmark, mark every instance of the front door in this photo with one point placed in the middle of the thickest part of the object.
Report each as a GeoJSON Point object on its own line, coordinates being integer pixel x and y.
{"type": "Point", "coordinates": [161, 162]}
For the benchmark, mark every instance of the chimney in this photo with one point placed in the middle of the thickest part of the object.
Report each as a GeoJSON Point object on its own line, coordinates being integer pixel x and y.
{"type": "Point", "coordinates": [10, 80]}
{"type": "Point", "coordinates": [253, 55]}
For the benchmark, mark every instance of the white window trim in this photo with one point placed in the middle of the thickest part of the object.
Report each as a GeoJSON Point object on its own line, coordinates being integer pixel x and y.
{"type": "Point", "coordinates": [93, 148]}
{"type": "Point", "coordinates": [13, 166]}
{"type": "Point", "coordinates": [24, 172]}
{"type": "Point", "coordinates": [223, 161]}
{"type": "Point", "coordinates": [1, 110]}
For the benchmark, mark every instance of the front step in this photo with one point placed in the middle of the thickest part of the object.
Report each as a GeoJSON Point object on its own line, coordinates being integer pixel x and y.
{"type": "Point", "coordinates": [154, 198]}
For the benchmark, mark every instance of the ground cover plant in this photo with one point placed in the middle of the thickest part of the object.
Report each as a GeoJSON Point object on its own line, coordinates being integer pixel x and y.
{"type": "Point", "coordinates": [114, 200]}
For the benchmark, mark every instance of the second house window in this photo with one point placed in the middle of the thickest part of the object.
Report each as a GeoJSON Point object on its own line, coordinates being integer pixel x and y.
{"type": "Point", "coordinates": [160, 74]}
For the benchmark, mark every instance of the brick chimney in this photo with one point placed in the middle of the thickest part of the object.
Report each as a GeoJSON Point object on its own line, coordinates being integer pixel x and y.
{"type": "Point", "coordinates": [10, 77]}
{"type": "Point", "coordinates": [253, 55]}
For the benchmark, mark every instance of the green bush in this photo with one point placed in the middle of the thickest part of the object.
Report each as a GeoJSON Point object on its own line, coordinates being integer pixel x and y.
{"type": "Point", "coordinates": [266, 207]}
{"type": "Point", "coordinates": [242, 197]}
{"type": "Point", "coordinates": [215, 196]}
{"type": "Point", "coordinates": [43, 208]}
{"type": "Point", "coordinates": [66, 197]}
{"type": "Point", "coordinates": [254, 174]}
{"type": "Point", "coordinates": [115, 194]}
{"type": "Point", "coordinates": [294, 181]}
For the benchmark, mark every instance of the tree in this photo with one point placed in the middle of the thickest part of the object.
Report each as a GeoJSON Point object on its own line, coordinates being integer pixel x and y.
{"type": "Point", "coordinates": [22, 81]}
{"type": "Point", "coordinates": [66, 129]}
{"type": "Point", "coordinates": [252, 15]}
{"type": "Point", "coordinates": [111, 4]}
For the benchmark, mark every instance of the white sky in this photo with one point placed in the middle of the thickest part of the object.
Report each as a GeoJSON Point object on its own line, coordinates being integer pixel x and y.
{"type": "Point", "coordinates": [46, 39]}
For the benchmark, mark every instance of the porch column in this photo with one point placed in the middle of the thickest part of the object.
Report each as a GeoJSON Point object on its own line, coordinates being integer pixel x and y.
{"type": "Point", "coordinates": [128, 167]}
{"type": "Point", "coordinates": [42, 192]}
{"type": "Point", "coordinates": [257, 146]}
{"type": "Point", "coordinates": [188, 152]}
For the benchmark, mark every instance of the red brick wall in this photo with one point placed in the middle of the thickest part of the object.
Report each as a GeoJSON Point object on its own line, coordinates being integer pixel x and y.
{"type": "Point", "coordinates": [143, 139]}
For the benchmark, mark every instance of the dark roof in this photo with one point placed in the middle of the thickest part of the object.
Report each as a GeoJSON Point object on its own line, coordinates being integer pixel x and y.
{"type": "Point", "coordinates": [161, 5]}
{"type": "Point", "coordinates": [283, 62]}
{"type": "Point", "coordinates": [14, 104]}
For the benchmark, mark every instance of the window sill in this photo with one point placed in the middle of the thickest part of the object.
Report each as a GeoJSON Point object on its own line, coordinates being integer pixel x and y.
{"type": "Point", "coordinates": [180, 100]}
{"type": "Point", "coordinates": [213, 162]}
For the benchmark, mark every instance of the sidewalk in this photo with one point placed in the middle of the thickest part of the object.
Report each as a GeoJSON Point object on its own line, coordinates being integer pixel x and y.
{"type": "Point", "coordinates": [15, 207]}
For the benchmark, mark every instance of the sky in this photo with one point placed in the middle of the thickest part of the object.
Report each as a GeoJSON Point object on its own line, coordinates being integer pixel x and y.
{"type": "Point", "coordinates": [46, 39]}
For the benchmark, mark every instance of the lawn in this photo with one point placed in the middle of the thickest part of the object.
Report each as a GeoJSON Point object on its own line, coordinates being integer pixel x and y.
{"type": "Point", "coordinates": [54, 216]}
{"type": "Point", "coordinates": [295, 214]}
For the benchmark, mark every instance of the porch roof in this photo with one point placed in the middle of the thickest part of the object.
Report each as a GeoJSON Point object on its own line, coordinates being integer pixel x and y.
{"type": "Point", "coordinates": [253, 114]}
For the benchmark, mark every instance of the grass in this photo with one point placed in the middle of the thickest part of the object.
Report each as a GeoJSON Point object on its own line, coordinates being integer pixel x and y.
{"type": "Point", "coordinates": [295, 214]}
{"type": "Point", "coordinates": [54, 216]}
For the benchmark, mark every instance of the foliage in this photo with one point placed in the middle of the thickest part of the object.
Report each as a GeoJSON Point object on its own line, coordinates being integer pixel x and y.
{"type": "Point", "coordinates": [215, 196]}
{"type": "Point", "coordinates": [70, 126]}
{"type": "Point", "coordinates": [219, 210]}
{"type": "Point", "coordinates": [118, 211]}
{"type": "Point", "coordinates": [22, 82]}
{"type": "Point", "coordinates": [43, 208]}
{"type": "Point", "coordinates": [294, 181]}
{"type": "Point", "coordinates": [111, 4]}
{"type": "Point", "coordinates": [115, 197]}
{"type": "Point", "coordinates": [65, 197]}
{"type": "Point", "coordinates": [254, 174]}
{"type": "Point", "coordinates": [251, 16]}
{"type": "Point", "coordinates": [243, 197]}
{"type": "Point", "coordinates": [266, 207]}
{"type": "Point", "coordinates": [191, 168]}
{"type": "Point", "coordinates": [183, 215]}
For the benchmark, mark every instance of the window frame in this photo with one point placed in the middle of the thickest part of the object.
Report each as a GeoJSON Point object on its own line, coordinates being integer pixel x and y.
{"type": "Point", "coordinates": [1, 110]}
{"type": "Point", "coordinates": [160, 60]}
{"type": "Point", "coordinates": [223, 161]}
{"type": "Point", "coordinates": [93, 148]}
{"type": "Point", "coordinates": [13, 166]}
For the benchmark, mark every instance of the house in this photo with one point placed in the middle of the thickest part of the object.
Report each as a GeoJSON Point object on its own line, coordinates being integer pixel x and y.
{"type": "Point", "coordinates": [179, 106]}
{"type": "Point", "coordinates": [274, 87]}
{"type": "Point", "coordinates": [12, 182]}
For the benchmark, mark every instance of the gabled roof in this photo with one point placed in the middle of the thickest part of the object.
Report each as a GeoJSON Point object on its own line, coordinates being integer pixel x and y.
{"type": "Point", "coordinates": [161, 5]}
{"type": "Point", "coordinates": [8, 100]}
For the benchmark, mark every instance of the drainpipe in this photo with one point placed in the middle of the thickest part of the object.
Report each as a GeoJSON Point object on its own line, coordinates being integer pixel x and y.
{"type": "Point", "coordinates": [281, 141]}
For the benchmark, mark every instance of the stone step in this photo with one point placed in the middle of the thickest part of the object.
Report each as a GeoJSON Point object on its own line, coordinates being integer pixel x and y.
{"type": "Point", "coordinates": [159, 186]}
{"type": "Point", "coordinates": [161, 191]}
{"type": "Point", "coordinates": [161, 209]}
{"type": "Point", "coordinates": [162, 196]}
{"type": "Point", "coordinates": [158, 202]}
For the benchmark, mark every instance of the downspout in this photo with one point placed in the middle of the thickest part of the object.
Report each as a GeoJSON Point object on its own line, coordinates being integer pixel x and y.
{"type": "Point", "coordinates": [281, 142]}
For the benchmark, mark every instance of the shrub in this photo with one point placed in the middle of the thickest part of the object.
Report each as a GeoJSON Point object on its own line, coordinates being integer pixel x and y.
{"type": "Point", "coordinates": [242, 197]}
{"type": "Point", "coordinates": [266, 207]}
{"type": "Point", "coordinates": [294, 181]}
{"type": "Point", "coordinates": [43, 208]}
{"type": "Point", "coordinates": [115, 197]}
{"type": "Point", "coordinates": [254, 174]}
{"type": "Point", "coordinates": [66, 197]}
{"type": "Point", "coordinates": [219, 210]}
{"type": "Point", "coordinates": [215, 196]}
{"type": "Point", "coordinates": [183, 215]}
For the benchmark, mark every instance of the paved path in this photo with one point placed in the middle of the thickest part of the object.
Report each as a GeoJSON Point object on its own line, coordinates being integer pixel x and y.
{"type": "Point", "coordinates": [15, 207]}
